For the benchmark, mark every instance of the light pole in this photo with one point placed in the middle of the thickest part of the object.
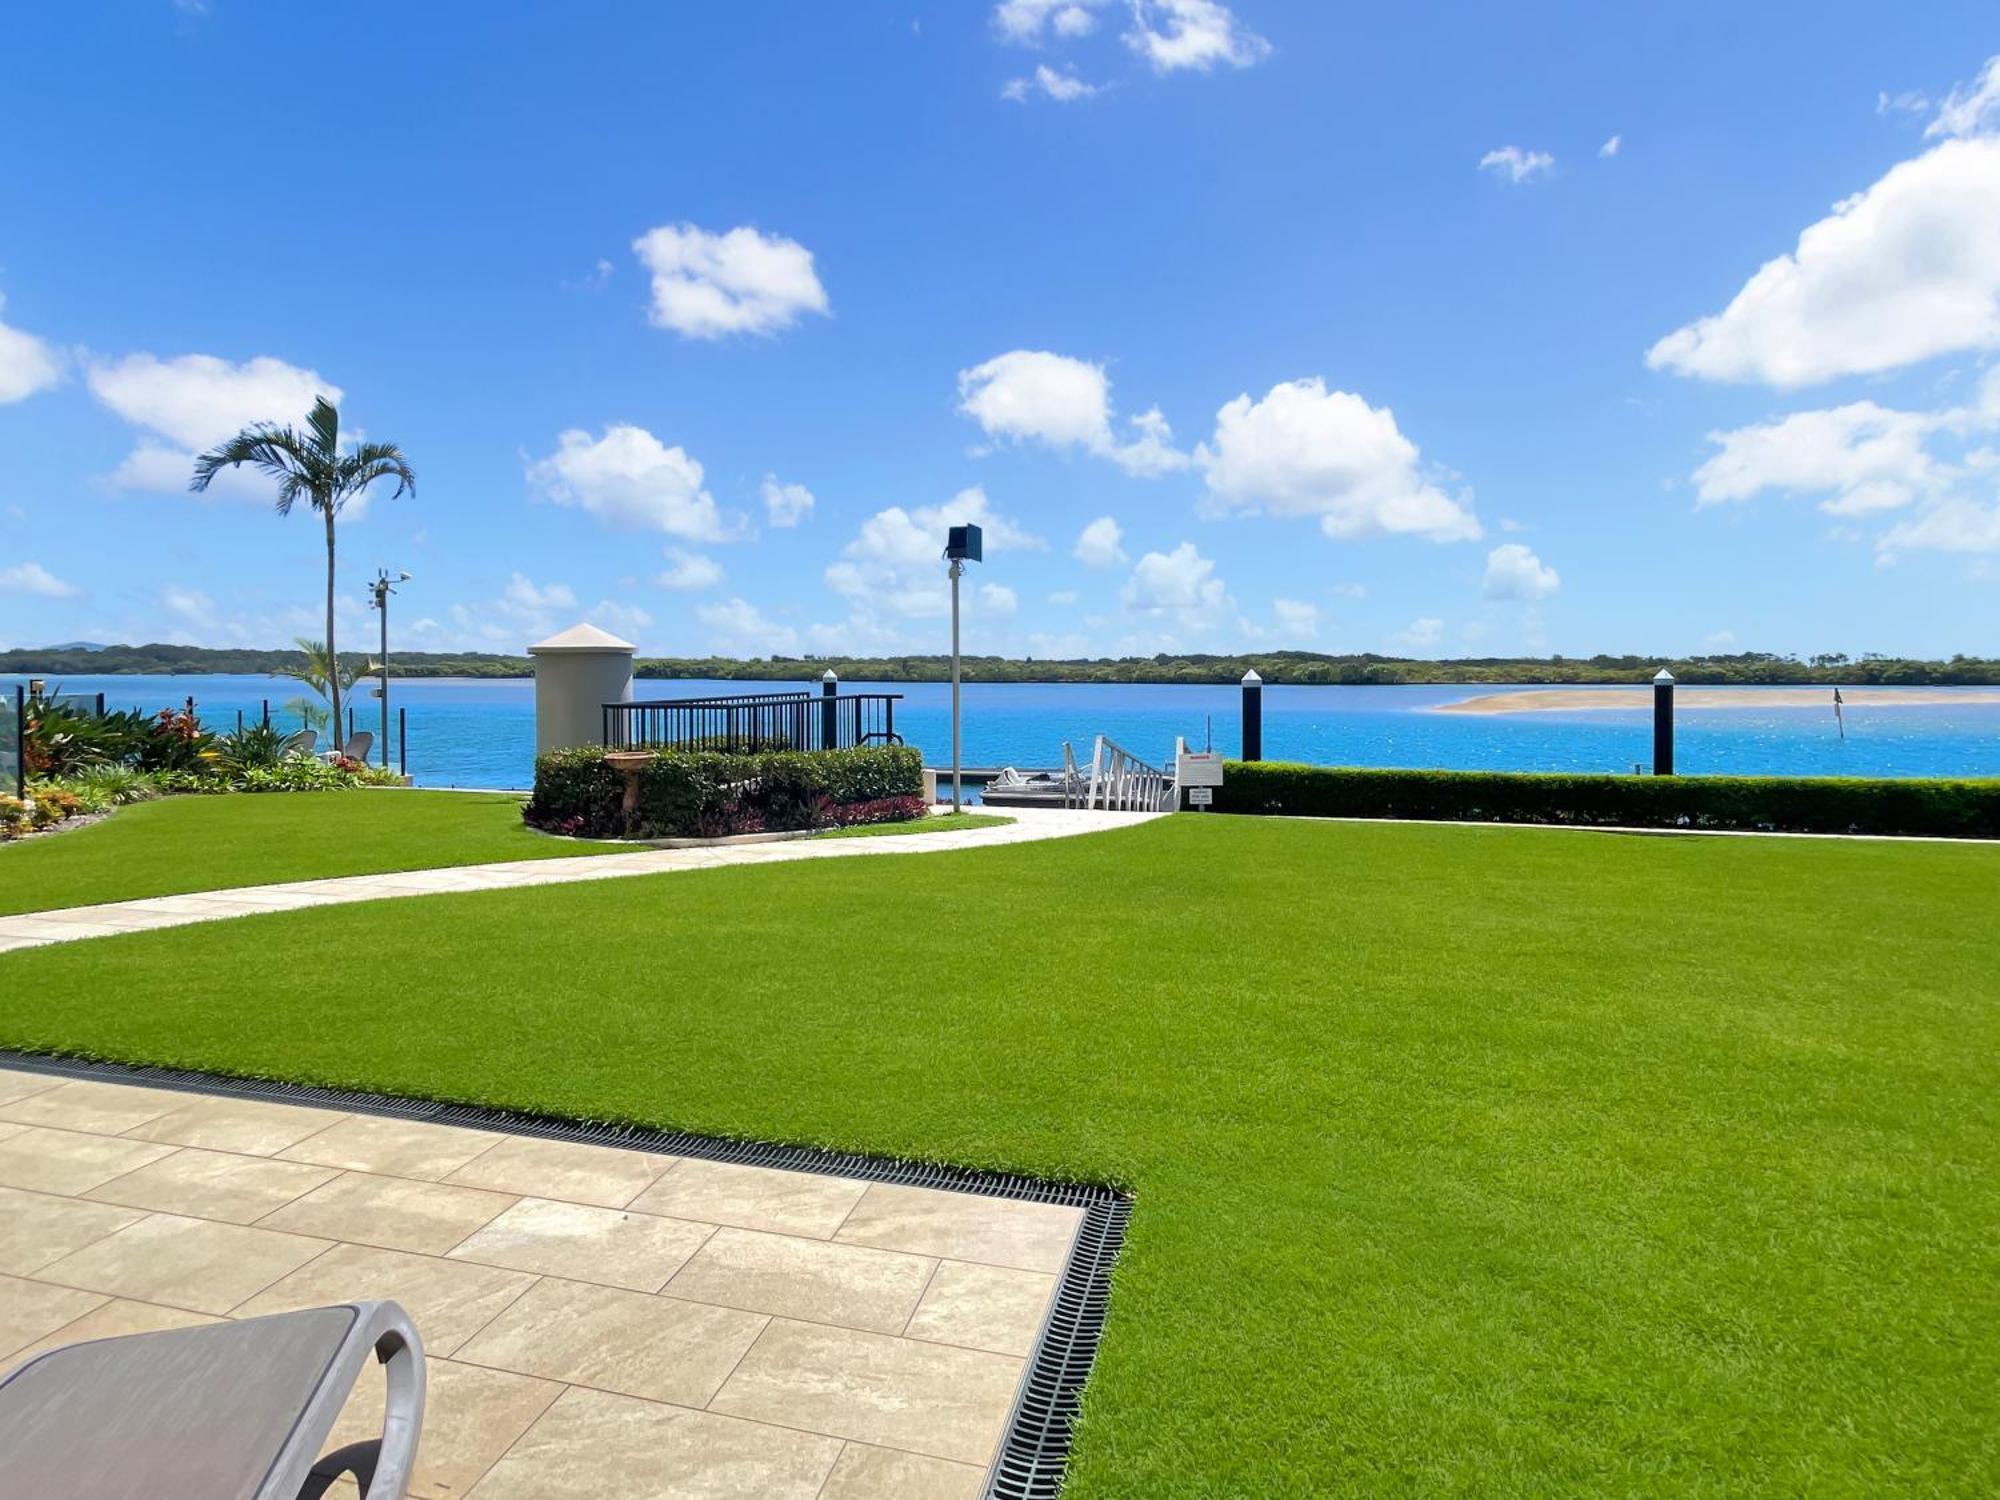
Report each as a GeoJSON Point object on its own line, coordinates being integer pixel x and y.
{"type": "Point", "coordinates": [379, 592]}
{"type": "Point", "coordinates": [961, 545]}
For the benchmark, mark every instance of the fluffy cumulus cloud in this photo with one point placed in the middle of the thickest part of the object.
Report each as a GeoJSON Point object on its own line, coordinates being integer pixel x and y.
{"type": "Point", "coordinates": [630, 481]}
{"type": "Point", "coordinates": [1032, 395]}
{"type": "Point", "coordinates": [1178, 593]}
{"type": "Point", "coordinates": [1174, 35]}
{"type": "Point", "coordinates": [1100, 544]}
{"type": "Point", "coordinates": [27, 364]}
{"type": "Point", "coordinates": [690, 572]}
{"type": "Point", "coordinates": [1518, 166]}
{"type": "Point", "coordinates": [194, 401]}
{"type": "Point", "coordinates": [1515, 573]}
{"type": "Point", "coordinates": [1306, 451]}
{"type": "Point", "coordinates": [1419, 635]}
{"type": "Point", "coordinates": [737, 627]}
{"type": "Point", "coordinates": [1904, 271]}
{"type": "Point", "coordinates": [34, 579]}
{"type": "Point", "coordinates": [786, 505]}
{"type": "Point", "coordinates": [1611, 147]}
{"type": "Point", "coordinates": [894, 563]}
{"type": "Point", "coordinates": [1860, 458]}
{"type": "Point", "coordinates": [1030, 21]}
{"type": "Point", "coordinates": [709, 285]}
{"type": "Point", "coordinates": [1062, 86]}
{"type": "Point", "coordinates": [1935, 470]}
{"type": "Point", "coordinates": [998, 601]}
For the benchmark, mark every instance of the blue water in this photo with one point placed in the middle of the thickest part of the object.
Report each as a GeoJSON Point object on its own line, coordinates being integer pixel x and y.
{"type": "Point", "coordinates": [482, 733]}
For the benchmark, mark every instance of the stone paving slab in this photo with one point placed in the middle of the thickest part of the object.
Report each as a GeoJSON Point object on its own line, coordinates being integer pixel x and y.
{"type": "Point", "coordinates": [598, 1321]}
{"type": "Point", "coordinates": [71, 924]}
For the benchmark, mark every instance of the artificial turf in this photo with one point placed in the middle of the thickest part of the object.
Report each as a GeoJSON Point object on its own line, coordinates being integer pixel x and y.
{"type": "Point", "coordinates": [935, 823]}
{"type": "Point", "coordinates": [1469, 1161]}
{"type": "Point", "coordinates": [180, 844]}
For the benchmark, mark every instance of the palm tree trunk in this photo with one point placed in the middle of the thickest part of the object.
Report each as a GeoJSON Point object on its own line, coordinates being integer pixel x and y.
{"type": "Point", "coordinates": [332, 657]}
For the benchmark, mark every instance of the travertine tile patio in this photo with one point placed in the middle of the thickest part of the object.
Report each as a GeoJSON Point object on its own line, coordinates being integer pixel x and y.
{"type": "Point", "coordinates": [600, 1322]}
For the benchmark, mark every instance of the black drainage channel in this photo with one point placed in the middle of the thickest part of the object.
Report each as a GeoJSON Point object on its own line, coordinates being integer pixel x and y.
{"type": "Point", "coordinates": [1035, 1447]}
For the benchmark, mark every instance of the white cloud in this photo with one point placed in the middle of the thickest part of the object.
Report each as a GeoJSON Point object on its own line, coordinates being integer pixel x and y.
{"type": "Point", "coordinates": [1064, 598]}
{"type": "Point", "coordinates": [708, 285]}
{"type": "Point", "coordinates": [1419, 635]}
{"type": "Point", "coordinates": [1306, 451]}
{"type": "Point", "coordinates": [1955, 524]}
{"type": "Point", "coordinates": [189, 606]}
{"type": "Point", "coordinates": [1172, 35]}
{"type": "Point", "coordinates": [786, 505]}
{"type": "Point", "coordinates": [1904, 271]}
{"type": "Point", "coordinates": [1514, 572]}
{"type": "Point", "coordinates": [1179, 589]}
{"type": "Point", "coordinates": [999, 600]}
{"type": "Point", "coordinates": [1298, 619]}
{"type": "Point", "coordinates": [1029, 21]}
{"type": "Point", "coordinates": [27, 364]}
{"type": "Point", "coordinates": [527, 597]}
{"type": "Point", "coordinates": [630, 481]}
{"type": "Point", "coordinates": [1034, 395]}
{"type": "Point", "coordinates": [1516, 165]}
{"type": "Point", "coordinates": [690, 571]}
{"type": "Point", "coordinates": [1718, 640]}
{"type": "Point", "coordinates": [739, 628]}
{"type": "Point", "coordinates": [33, 578]}
{"type": "Point", "coordinates": [195, 401]}
{"type": "Point", "coordinates": [895, 562]}
{"type": "Point", "coordinates": [619, 619]}
{"type": "Point", "coordinates": [1908, 102]}
{"type": "Point", "coordinates": [1062, 87]}
{"type": "Point", "coordinates": [1611, 147]}
{"type": "Point", "coordinates": [1098, 545]}
{"type": "Point", "coordinates": [1970, 109]}
{"type": "Point", "coordinates": [1861, 456]}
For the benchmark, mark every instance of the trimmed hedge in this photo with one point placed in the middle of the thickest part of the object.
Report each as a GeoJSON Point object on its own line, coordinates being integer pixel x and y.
{"type": "Point", "coordinates": [1789, 804]}
{"type": "Point", "coordinates": [710, 794]}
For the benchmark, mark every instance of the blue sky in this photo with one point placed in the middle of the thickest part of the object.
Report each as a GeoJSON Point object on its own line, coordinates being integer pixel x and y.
{"type": "Point", "coordinates": [1240, 326]}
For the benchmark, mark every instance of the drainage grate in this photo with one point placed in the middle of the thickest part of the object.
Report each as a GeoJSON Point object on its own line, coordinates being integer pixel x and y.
{"type": "Point", "coordinates": [1035, 1446]}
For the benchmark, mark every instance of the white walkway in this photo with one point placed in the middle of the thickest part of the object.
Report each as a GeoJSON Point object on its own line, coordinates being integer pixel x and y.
{"type": "Point", "coordinates": [34, 929]}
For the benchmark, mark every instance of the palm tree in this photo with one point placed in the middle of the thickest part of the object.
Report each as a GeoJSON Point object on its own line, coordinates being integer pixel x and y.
{"type": "Point", "coordinates": [310, 464]}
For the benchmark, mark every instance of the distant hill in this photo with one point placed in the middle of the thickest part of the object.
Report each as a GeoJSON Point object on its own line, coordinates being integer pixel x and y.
{"type": "Point", "coordinates": [87, 659]}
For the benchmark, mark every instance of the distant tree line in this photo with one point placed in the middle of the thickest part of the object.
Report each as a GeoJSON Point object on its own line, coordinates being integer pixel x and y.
{"type": "Point", "coordinates": [1748, 667]}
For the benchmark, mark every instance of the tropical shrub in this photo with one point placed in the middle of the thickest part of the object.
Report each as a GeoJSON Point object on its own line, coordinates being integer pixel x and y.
{"type": "Point", "coordinates": [51, 805]}
{"type": "Point", "coordinates": [108, 786]}
{"type": "Point", "coordinates": [882, 810]}
{"type": "Point", "coordinates": [253, 747]}
{"type": "Point", "coordinates": [177, 742]}
{"type": "Point", "coordinates": [1792, 804]}
{"type": "Point", "coordinates": [709, 794]}
{"type": "Point", "coordinates": [13, 817]}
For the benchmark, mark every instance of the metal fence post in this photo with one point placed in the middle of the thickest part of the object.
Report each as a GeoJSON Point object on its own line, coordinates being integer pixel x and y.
{"type": "Point", "coordinates": [402, 742]}
{"type": "Point", "coordinates": [1663, 723]}
{"type": "Point", "coordinates": [20, 742]}
{"type": "Point", "coordinates": [1253, 715]}
{"type": "Point", "coordinates": [829, 706]}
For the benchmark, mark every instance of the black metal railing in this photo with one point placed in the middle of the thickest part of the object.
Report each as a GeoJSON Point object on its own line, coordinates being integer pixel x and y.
{"type": "Point", "coordinates": [754, 721]}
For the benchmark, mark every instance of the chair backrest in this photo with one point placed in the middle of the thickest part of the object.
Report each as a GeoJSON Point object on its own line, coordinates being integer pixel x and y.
{"type": "Point", "coordinates": [300, 744]}
{"type": "Point", "coordinates": [358, 747]}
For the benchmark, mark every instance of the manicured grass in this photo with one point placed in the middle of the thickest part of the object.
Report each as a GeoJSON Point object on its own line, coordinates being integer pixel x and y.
{"type": "Point", "coordinates": [1470, 1161]}
{"type": "Point", "coordinates": [935, 823]}
{"type": "Point", "coordinates": [182, 844]}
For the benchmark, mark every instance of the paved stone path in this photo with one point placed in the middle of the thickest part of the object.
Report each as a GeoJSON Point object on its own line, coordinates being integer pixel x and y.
{"type": "Point", "coordinates": [599, 1322]}
{"type": "Point", "coordinates": [34, 929]}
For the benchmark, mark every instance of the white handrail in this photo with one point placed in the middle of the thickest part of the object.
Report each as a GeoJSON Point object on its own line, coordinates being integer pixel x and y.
{"type": "Point", "coordinates": [1119, 781]}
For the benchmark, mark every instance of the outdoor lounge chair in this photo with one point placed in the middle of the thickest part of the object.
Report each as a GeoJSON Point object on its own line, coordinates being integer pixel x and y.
{"type": "Point", "coordinates": [298, 744]}
{"type": "Point", "coordinates": [226, 1411]}
{"type": "Point", "coordinates": [356, 748]}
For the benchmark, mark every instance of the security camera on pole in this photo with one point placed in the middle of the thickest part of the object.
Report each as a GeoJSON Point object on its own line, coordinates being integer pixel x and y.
{"type": "Point", "coordinates": [962, 545]}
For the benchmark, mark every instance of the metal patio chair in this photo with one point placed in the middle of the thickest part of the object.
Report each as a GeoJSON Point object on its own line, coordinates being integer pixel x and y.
{"type": "Point", "coordinates": [226, 1411]}
{"type": "Point", "coordinates": [301, 743]}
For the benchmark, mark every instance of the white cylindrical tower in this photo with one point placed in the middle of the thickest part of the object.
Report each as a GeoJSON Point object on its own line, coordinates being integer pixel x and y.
{"type": "Point", "coordinates": [576, 674]}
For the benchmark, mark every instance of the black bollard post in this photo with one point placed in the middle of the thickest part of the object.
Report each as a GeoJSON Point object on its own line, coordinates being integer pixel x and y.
{"type": "Point", "coordinates": [829, 710]}
{"type": "Point", "coordinates": [267, 713]}
{"type": "Point", "coordinates": [1663, 723]}
{"type": "Point", "coordinates": [1253, 715]}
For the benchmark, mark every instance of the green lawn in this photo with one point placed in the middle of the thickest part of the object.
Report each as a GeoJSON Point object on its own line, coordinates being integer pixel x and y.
{"type": "Point", "coordinates": [1468, 1161]}
{"type": "Point", "coordinates": [182, 844]}
{"type": "Point", "coordinates": [935, 823]}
